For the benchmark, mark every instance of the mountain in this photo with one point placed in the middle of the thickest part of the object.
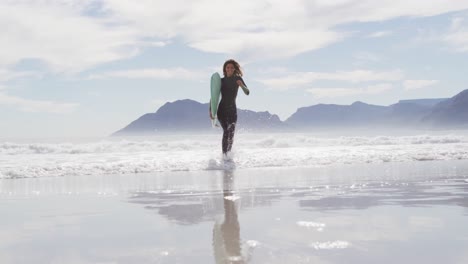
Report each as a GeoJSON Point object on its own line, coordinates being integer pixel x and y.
{"type": "Point", "coordinates": [247, 119]}
{"type": "Point", "coordinates": [423, 102]}
{"type": "Point", "coordinates": [405, 113]}
{"type": "Point", "coordinates": [411, 112]}
{"type": "Point", "coordinates": [331, 115]}
{"type": "Point", "coordinates": [191, 116]}
{"type": "Point", "coordinates": [179, 115]}
{"type": "Point", "coordinates": [452, 112]}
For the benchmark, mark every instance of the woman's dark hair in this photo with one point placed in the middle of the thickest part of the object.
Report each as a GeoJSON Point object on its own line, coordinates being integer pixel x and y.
{"type": "Point", "coordinates": [237, 68]}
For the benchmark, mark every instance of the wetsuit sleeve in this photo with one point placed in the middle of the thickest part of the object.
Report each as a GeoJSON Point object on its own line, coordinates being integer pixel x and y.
{"type": "Point", "coordinates": [244, 87]}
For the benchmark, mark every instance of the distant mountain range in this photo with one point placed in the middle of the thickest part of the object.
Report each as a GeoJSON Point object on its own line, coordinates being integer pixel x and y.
{"type": "Point", "coordinates": [191, 116]}
{"type": "Point", "coordinates": [452, 112]}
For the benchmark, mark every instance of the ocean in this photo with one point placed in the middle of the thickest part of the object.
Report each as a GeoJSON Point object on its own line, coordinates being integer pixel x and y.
{"type": "Point", "coordinates": [182, 152]}
{"type": "Point", "coordinates": [283, 198]}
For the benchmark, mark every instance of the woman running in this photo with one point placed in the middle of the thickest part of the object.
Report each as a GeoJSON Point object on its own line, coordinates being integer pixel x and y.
{"type": "Point", "coordinates": [227, 110]}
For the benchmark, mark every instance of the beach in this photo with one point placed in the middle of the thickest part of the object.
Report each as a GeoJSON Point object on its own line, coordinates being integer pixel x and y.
{"type": "Point", "coordinates": [264, 132]}
{"type": "Point", "coordinates": [393, 212]}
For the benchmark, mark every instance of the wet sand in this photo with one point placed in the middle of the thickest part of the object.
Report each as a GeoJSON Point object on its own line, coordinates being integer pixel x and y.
{"type": "Point", "coordinates": [412, 212]}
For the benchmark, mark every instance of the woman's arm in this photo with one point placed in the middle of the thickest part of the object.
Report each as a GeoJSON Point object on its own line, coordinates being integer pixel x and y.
{"type": "Point", "coordinates": [243, 86]}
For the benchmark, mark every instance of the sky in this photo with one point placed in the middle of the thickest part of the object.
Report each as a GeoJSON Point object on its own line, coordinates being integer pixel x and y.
{"type": "Point", "coordinates": [87, 68]}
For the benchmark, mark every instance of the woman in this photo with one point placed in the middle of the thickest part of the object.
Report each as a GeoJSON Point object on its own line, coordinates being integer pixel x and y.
{"type": "Point", "coordinates": [227, 110]}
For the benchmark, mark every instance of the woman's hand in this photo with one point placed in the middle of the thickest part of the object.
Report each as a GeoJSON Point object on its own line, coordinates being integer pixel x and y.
{"type": "Point", "coordinates": [243, 86]}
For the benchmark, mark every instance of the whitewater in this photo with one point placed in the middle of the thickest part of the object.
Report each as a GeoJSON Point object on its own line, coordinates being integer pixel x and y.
{"type": "Point", "coordinates": [203, 152]}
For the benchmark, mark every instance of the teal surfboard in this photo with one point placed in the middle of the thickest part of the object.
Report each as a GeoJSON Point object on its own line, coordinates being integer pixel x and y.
{"type": "Point", "coordinates": [215, 95]}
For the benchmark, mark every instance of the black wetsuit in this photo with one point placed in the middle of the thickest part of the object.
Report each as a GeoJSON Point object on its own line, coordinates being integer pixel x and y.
{"type": "Point", "coordinates": [227, 110]}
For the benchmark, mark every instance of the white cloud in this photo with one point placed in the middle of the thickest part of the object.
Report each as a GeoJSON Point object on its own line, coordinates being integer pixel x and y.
{"type": "Point", "coordinates": [333, 92]}
{"type": "Point", "coordinates": [367, 56]}
{"type": "Point", "coordinates": [457, 23]}
{"type": "Point", "coordinates": [341, 92]}
{"type": "Point", "coordinates": [75, 35]}
{"type": "Point", "coordinates": [269, 28]}
{"type": "Point", "coordinates": [366, 59]}
{"type": "Point", "coordinates": [300, 79]}
{"type": "Point", "coordinates": [273, 70]}
{"type": "Point", "coordinates": [457, 37]}
{"type": "Point", "coordinates": [378, 88]}
{"type": "Point", "coordinates": [153, 73]}
{"type": "Point", "coordinates": [418, 84]}
{"type": "Point", "coordinates": [27, 105]}
{"type": "Point", "coordinates": [58, 33]}
{"type": "Point", "coordinates": [380, 34]}
{"type": "Point", "coordinates": [6, 75]}
{"type": "Point", "coordinates": [250, 46]}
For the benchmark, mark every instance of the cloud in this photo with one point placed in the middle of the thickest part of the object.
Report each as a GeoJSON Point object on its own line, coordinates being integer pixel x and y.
{"type": "Point", "coordinates": [363, 58]}
{"type": "Point", "coordinates": [61, 35]}
{"type": "Point", "coordinates": [300, 79]}
{"type": "Point", "coordinates": [27, 105]}
{"type": "Point", "coordinates": [341, 92]}
{"type": "Point", "coordinates": [249, 46]}
{"type": "Point", "coordinates": [273, 70]}
{"type": "Point", "coordinates": [418, 84]}
{"type": "Point", "coordinates": [268, 28]}
{"type": "Point", "coordinates": [153, 73]}
{"type": "Point", "coordinates": [380, 34]}
{"type": "Point", "coordinates": [76, 35]}
{"type": "Point", "coordinates": [457, 36]}
{"type": "Point", "coordinates": [6, 75]}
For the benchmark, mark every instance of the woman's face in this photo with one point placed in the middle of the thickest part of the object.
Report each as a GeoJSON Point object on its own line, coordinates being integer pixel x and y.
{"type": "Point", "coordinates": [230, 70]}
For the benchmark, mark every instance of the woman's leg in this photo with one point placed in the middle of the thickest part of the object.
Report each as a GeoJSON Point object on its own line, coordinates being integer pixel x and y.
{"type": "Point", "coordinates": [231, 128]}
{"type": "Point", "coordinates": [228, 123]}
{"type": "Point", "coordinates": [224, 125]}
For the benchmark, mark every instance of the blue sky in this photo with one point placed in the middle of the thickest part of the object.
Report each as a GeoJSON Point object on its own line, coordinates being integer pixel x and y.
{"type": "Point", "coordinates": [73, 68]}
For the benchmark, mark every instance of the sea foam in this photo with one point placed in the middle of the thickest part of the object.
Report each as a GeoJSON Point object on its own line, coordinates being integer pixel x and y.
{"type": "Point", "coordinates": [183, 153]}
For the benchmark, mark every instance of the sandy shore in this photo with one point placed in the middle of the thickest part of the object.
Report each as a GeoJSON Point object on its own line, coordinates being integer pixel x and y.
{"type": "Point", "coordinates": [412, 212]}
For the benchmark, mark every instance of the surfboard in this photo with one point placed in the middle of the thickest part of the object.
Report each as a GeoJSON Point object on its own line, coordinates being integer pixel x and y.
{"type": "Point", "coordinates": [215, 96]}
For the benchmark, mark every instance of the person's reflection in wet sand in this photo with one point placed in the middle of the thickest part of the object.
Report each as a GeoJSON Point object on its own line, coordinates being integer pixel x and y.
{"type": "Point", "coordinates": [226, 236]}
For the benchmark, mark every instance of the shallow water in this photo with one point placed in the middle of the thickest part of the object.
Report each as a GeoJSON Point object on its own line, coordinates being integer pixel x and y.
{"type": "Point", "coordinates": [413, 212]}
{"type": "Point", "coordinates": [202, 153]}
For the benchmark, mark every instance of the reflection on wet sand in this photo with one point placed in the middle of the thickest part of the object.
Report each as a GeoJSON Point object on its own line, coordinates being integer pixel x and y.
{"type": "Point", "coordinates": [190, 207]}
{"type": "Point", "coordinates": [410, 194]}
{"type": "Point", "coordinates": [309, 219]}
{"type": "Point", "coordinates": [287, 216]}
{"type": "Point", "coordinates": [226, 235]}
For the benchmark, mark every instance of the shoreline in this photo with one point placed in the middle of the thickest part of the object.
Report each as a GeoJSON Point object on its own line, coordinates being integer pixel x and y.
{"type": "Point", "coordinates": [245, 178]}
